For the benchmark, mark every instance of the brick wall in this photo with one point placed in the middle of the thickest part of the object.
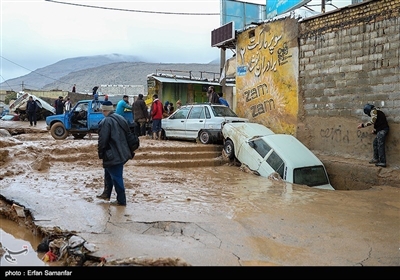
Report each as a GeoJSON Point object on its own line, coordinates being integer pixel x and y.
{"type": "Point", "coordinates": [347, 58]}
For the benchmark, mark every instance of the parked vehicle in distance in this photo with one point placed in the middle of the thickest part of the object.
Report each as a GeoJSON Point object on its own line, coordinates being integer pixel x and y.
{"type": "Point", "coordinates": [199, 121]}
{"type": "Point", "coordinates": [265, 152]}
{"type": "Point", "coordinates": [83, 118]}
{"type": "Point", "coordinates": [19, 107]}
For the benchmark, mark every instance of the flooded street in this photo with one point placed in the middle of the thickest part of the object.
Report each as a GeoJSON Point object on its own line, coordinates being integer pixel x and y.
{"type": "Point", "coordinates": [207, 215]}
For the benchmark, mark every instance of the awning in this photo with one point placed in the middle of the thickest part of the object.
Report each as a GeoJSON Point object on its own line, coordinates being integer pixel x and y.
{"type": "Point", "coordinates": [183, 81]}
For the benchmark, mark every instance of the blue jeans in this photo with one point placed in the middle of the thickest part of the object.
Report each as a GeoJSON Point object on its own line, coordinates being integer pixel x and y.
{"type": "Point", "coordinates": [156, 125]}
{"type": "Point", "coordinates": [113, 176]}
{"type": "Point", "coordinates": [379, 145]}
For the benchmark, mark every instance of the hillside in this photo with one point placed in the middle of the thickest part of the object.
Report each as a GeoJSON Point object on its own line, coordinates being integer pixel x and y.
{"type": "Point", "coordinates": [88, 71]}
{"type": "Point", "coordinates": [123, 73]}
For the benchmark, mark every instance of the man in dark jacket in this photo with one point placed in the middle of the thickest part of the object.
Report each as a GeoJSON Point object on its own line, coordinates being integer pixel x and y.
{"type": "Point", "coordinates": [59, 104]}
{"type": "Point", "coordinates": [113, 149]}
{"type": "Point", "coordinates": [31, 108]}
{"type": "Point", "coordinates": [213, 97]}
{"type": "Point", "coordinates": [381, 129]}
{"type": "Point", "coordinates": [140, 115]}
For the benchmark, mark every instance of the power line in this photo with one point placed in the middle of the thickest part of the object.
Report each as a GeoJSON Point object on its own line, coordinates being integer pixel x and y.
{"type": "Point", "coordinates": [136, 11]}
{"type": "Point", "coordinates": [32, 71]}
{"type": "Point", "coordinates": [7, 83]}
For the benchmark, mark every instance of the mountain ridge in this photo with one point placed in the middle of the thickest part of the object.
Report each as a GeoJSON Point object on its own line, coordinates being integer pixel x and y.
{"type": "Point", "coordinates": [88, 71]}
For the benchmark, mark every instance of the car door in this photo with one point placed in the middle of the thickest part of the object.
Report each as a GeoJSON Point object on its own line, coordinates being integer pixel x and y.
{"type": "Point", "coordinates": [196, 120]}
{"type": "Point", "coordinates": [175, 125]}
{"type": "Point", "coordinates": [259, 151]}
{"type": "Point", "coordinates": [252, 153]}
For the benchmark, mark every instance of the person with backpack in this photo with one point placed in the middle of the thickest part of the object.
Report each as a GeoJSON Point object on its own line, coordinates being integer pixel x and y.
{"type": "Point", "coordinates": [114, 150]}
{"type": "Point", "coordinates": [381, 129]}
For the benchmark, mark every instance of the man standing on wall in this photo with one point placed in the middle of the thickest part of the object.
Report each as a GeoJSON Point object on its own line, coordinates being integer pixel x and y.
{"type": "Point", "coordinates": [213, 97]}
{"type": "Point", "coordinates": [381, 129]}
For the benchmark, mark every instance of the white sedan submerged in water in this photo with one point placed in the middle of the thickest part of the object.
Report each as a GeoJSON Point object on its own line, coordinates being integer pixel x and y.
{"type": "Point", "coordinates": [265, 153]}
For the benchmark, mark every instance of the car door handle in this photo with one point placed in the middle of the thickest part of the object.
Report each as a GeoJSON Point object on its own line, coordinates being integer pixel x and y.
{"type": "Point", "coordinates": [200, 120]}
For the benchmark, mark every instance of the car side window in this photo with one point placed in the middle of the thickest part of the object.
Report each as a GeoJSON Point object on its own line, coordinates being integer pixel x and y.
{"type": "Point", "coordinates": [276, 163]}
{"type": "Point", "coordinates": [207, 112]}
{"type": "Point", "coordinates": [181, 114]}
{"type": "Point", "coordinates": [196, 113]}
{"type": "Point", "coordinates": [261, 147]}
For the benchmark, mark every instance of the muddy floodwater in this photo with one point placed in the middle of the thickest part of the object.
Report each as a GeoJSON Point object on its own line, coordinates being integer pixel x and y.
{"type": "Point", "coordinates": [184, 204]}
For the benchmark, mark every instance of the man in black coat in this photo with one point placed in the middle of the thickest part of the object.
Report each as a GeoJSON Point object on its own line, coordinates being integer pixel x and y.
{"type": "Point", "coordinates": [140, 115]}
{"type": "Point", "coordinates": [113, 149]}
{"type": "Point", "coordinates": [31, 109]}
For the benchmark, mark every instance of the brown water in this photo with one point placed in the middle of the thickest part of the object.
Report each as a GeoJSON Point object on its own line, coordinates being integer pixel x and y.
{"type": "Point", "coordinates": [19, 244]}
{"type": "Point", "coordinates": [232, 217]}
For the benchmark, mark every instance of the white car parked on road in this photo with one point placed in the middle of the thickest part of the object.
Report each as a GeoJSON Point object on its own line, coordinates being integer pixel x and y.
{"type": "Point", "coordinates": [202, 121]}
{"type": "Point", "coordinates": [265, 152]}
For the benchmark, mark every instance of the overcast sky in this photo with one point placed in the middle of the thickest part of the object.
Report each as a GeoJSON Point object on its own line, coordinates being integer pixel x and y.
{"type": "Point", "coordinates": [37, 33]}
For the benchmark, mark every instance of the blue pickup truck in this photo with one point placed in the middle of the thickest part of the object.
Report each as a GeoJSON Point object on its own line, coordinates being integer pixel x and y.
{"type": "Point", "coordinates": [83, 118]}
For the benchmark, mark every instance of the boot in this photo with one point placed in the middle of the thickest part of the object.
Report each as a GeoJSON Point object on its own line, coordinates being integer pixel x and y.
{"type": "Point", "coordinates": [159, 135]}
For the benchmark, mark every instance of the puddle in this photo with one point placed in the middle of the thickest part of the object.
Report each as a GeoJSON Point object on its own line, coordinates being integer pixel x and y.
{"type": "Point", "coordinates": [19, 245]}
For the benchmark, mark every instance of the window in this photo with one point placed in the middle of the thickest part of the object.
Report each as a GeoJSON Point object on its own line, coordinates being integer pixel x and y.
{"type": "Point", "coordinates": [196, 113]}
{"type": "Point", "coordinates": [181, 113]}
{"type": "Point", "coordinates": [223, 111]}
{"type": "Point", "coordinates": [310, 176]}
{"type": "Point", "coordinates": [261, 147]}
{"type": "Point", "coordinates": [276, 163]}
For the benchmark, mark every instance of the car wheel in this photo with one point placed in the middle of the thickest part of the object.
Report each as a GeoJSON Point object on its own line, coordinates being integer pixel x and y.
{"type": "Point", "coordinates": [204, 137]}
{"type": "Point", "coordinates": [58, 131]}
{"type": "Point", "coordinates": [79, 135]}
{"type": "Point", "coordinates": [229, 149]}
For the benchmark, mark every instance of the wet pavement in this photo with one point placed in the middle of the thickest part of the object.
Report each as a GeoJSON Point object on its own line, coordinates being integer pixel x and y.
{"type": "Point", "coordinates": [208, 216]}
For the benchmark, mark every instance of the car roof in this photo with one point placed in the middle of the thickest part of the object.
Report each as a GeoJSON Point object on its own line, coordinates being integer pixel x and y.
{"type": "Point", "coordinates": [289, 147]}
{"type": "Point", "coordinates": [250, 130]}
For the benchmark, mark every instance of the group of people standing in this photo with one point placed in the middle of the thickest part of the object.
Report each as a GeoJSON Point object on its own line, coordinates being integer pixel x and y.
{"type": "Point", "coordinates": [216, 98]}
{"type": "Point", "coordinates": [60, 104]}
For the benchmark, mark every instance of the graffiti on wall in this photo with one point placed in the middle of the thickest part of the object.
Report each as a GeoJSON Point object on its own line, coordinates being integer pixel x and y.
{"type": "Point", "coordinates": [267, 71]}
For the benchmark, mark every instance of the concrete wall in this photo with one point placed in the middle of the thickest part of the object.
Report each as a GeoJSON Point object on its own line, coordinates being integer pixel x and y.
{"type": "Point", "coordinates": [349, 58]}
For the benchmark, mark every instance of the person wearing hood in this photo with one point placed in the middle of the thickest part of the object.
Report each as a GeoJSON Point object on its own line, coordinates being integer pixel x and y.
{"type": "Point", "coordinates": [381, 129]}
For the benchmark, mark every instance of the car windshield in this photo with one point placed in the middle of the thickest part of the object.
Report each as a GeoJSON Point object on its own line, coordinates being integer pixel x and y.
{"type": "Point", "coordinates": [311, 176]}
{"type": "Point", "coordinates": [223, 111]}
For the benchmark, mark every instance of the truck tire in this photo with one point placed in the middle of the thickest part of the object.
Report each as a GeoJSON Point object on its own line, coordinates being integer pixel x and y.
{"type": "Point", "coordinates": [58, 131]}
{"type": "Point", "coordinates": [204, 137]}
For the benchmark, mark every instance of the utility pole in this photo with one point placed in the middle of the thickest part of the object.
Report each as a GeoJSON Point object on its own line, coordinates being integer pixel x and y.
{"type": "Point", "coordinates": [22, 86]}
{"type": "Point", "coordinates": [323, 6]}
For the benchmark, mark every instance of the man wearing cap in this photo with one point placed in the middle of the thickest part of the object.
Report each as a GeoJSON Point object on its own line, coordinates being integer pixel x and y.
{"type": "Point", "coordinates": [381, 129]}
{"type": "Point", "coordinates": [113, 149]}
